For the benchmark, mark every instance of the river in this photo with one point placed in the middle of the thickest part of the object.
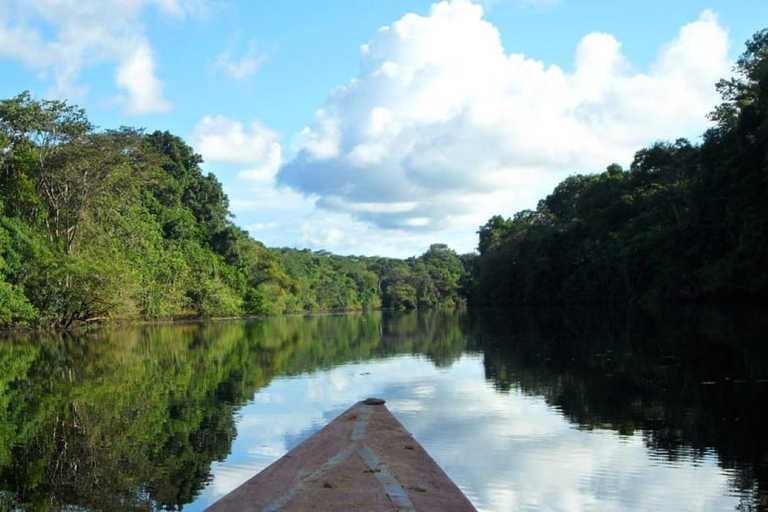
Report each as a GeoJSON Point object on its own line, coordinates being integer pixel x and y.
{"type": "Point", "coordinates": [570, 409]}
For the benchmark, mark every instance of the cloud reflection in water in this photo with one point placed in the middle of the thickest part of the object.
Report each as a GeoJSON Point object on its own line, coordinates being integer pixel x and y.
{"type": "Point", "coordinates": [506, 450]}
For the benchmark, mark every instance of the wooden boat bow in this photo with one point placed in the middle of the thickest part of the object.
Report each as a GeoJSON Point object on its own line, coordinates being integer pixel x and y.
{"type": "Point", "coordinates": [362, 460]}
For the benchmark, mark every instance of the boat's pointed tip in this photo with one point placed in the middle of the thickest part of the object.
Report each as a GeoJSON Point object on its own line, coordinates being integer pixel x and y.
{"type": "Point", "coordinates": [374, 401]}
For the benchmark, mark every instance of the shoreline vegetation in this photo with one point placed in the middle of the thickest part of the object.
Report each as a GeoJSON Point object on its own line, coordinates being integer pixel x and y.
{"type": "Point", "coordinates": [685, 223]}
{"type": "Point", "coordinates": [121, 225]}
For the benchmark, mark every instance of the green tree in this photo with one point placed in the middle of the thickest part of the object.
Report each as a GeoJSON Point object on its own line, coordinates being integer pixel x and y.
{"type": "Point", "coordinates": [685, 222]}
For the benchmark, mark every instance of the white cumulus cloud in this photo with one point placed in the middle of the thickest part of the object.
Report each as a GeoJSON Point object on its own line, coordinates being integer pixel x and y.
{"type": "Point", "coordinates": [62, 38]}
{"type": "Point", "coordinates": [443, 127]}
{"type": "Point", "coordinates": [223, 140]}
{"type": "Point", "coordinates": [137, 76]}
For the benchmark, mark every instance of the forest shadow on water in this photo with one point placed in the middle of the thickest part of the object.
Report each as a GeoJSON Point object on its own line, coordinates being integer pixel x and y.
{"type": "Point", "coordinates": [690, 380]}
{"type": "Point", "coordinates": [136, 418]}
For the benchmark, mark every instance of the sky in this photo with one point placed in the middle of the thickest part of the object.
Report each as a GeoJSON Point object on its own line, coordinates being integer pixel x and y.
{"type": "Point", "coordinates": [382, 126]}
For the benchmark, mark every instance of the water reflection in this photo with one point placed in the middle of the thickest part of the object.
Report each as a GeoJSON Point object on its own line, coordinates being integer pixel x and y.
{"type": "Point", "coordinates": [136, 417]}
{"type": "Point", "coordinates": [548, 409]}
{"type": "Point", "coordinates": [691, 382]}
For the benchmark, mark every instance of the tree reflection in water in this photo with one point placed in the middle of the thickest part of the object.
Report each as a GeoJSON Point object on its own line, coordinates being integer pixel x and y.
{"type": "Point", "coordinates": [690, 380]}
{"type": "Point", "coordinates": [134, 418]}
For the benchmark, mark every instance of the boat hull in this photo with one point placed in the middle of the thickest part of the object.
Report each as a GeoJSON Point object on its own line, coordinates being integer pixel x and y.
{"type": "Point", "coordinates": [362, 460]}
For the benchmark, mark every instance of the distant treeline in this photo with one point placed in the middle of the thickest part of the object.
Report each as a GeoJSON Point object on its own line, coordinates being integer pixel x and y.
{"type": "Point", "coordinates": [119, 224]}
{"type": "Point", "coordinates": [685, 223]}
{"type": "Point", "coordinates": [326, 281]}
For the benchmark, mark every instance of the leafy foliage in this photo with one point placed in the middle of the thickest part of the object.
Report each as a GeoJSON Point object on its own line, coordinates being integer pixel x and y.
{"type": "Point", "coordinates": [327, 281]}
{"type": "Point", "coordinates": [686, 222]}
{"type": "Point", "coordinates": [97, 225]}
{"type": "Point", "coordinates": [115, 224]}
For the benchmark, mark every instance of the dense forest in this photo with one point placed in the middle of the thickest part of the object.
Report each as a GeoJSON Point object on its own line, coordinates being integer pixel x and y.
{"type": "Point", "coordinates": [686, 222]}
{"type": "Point", "coordinates": [119, 224]}
{"type": "Point", "coordinates": [327, 281]}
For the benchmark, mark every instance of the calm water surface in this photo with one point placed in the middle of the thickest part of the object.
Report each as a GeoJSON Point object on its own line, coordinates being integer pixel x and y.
{"type": "Point", "coordinates": [539, 410]}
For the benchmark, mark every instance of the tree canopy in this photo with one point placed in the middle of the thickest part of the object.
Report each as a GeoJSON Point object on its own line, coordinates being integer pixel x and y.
{"type": "Point", "coordinates": [686, 222]}
{"type": "Point", "coordinates": [105, 224]}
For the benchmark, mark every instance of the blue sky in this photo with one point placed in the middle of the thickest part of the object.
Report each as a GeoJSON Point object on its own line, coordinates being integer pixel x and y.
{"type": "Point", "coordinates": [379, 127]}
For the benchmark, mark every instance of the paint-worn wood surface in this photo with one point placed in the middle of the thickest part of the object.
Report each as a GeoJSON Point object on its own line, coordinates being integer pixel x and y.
{"type": "Point", "coordinates": [362, 460]}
